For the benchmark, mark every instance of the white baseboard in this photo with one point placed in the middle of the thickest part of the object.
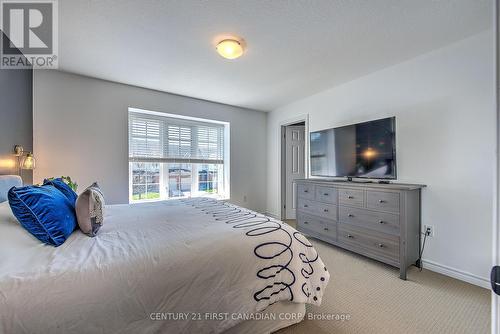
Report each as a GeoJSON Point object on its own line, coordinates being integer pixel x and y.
{"type": "Point", "coordinates": [458, 274]}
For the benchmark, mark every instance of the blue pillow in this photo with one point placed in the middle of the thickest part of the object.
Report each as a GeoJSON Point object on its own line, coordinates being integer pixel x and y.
{"type": "Point", "coordinates": [44, 211]}
{"type": "Point", "coordinates": [64, 188]}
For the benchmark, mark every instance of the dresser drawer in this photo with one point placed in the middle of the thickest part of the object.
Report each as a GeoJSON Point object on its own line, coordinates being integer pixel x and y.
{"type": "Point", "coordinates": [330, 231]}
{"type": "Point", "coordinates": [328, 211]}
{"type": "Point", "coordinates": [306, 205]}
{"type": "Point", "coordinates": [380, 221]}
{"type": "Point", "coordinates": [324, 228]}
{"type": "Point", "coordinates": [373, 243]}
{"type": "Point", "coordinates": [309, 223]}
{"type": "Point", "coordinates": [324, 210]}
{"type": "Point", "coordinates": [305, 191]}
{"type": "Point", "coordinates": [351, 197]}
{"type": "Point", "coordinates": [385, 201]}
{"type": "Point", "coordinates": [326, 194]}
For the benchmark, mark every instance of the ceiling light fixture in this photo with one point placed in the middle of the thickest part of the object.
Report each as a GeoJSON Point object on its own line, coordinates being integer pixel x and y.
{"type": "Point", "coordinates": [230, 48]}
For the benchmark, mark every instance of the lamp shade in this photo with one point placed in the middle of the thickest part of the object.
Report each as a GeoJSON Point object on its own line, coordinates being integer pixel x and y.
{"type": "Point", "coordinates": [28, 162]}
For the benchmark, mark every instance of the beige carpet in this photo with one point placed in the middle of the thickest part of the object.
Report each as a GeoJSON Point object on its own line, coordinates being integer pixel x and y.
{"type": "Point", "coordinates": [377, 301]}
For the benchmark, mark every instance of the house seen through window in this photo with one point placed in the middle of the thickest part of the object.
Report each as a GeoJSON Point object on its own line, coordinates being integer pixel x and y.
{"type": "Point", "coordinates": [175, 156]}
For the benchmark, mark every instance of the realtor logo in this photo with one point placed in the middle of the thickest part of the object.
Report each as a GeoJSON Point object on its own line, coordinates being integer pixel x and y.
{"type": "Point", "coordinates": [29, 36]}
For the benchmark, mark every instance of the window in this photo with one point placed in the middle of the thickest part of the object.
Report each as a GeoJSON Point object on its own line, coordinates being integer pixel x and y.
{"type": "Point", "coordinates": [174, 156]}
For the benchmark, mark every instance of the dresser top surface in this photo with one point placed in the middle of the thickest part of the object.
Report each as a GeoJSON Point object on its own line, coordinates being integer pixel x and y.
{"type": "Point", "coordinates": [363, 184]}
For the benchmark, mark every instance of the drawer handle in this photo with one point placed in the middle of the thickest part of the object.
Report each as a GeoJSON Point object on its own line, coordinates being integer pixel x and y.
{"type": "Point", "coordinates": [306, 206]}
{"type": "Point", "coordinates": [325, 210]}
{"type": "Point", "coordinates": [350, 236]}
{"type": "Point", "coordinates": [325, 194]}
{"type": "Point", "coordinates": [381, 201]}
{"type": "Point", "coordinates": [381, 222]}
{"type": "Point", "coordinates": [350, 215]}
{"type": "Point", "coordinates": [306, 191]}
{"type": "Point", "coordinates": [306, 222]}
{"type": "Point", "coordinates": [350, 197]}
{"type": "Point", "coordinates": [381, 245]}
{"type": "Point", "coordinates": [326, 228]}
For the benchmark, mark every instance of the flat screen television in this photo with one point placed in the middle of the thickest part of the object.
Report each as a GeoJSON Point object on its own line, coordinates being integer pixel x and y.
{"type": "Point", "coordinates": [364, 150]}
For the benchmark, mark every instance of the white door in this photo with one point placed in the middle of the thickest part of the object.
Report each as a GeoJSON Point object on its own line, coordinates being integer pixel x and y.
{"type": "Point", "coordinates": [294, 155]}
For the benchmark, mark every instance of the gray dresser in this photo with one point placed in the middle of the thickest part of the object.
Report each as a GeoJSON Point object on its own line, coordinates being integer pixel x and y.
{"type": "Point", "coordinates": [381, 221]}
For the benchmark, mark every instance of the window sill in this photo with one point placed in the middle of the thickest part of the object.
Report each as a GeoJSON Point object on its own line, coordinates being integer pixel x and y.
{"type": "Point", "coordinates": [223, 198]}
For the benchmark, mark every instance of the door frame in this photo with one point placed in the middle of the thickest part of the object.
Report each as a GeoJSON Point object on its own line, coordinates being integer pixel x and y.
{"type": "Point", "coordinates": [495, 299]}
{"type": "Point", "coordinates": [282, 168]}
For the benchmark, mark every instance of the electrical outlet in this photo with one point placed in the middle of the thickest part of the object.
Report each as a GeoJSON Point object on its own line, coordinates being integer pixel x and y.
{"type": "Point", "coordinates": [429, 229]}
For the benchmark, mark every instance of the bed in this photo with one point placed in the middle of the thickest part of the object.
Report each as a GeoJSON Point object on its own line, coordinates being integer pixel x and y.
{"type": "Point", "coordinates": [179, 266]}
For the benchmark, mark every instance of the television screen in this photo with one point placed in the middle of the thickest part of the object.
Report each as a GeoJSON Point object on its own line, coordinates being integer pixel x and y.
{"type": "Point", "coordinates": [360, 150]}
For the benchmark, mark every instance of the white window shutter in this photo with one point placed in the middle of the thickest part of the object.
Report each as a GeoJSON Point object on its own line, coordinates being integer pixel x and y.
{"type": "Point", "coordinates": [155, 138]}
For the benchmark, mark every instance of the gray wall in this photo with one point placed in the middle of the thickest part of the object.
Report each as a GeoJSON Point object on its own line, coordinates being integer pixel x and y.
{"type": "Point", "coordinates": [81, 130]}
{"type": "Point", "coordinates": [16, 118]}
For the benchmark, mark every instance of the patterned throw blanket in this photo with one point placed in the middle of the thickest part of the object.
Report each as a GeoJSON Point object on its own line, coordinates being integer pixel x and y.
{"type": "Point", "coordinates": [290, 268]}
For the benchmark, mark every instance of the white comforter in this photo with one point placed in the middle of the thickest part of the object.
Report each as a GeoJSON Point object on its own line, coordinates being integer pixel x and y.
{"type": "Point", "coordinates": [155, 260]}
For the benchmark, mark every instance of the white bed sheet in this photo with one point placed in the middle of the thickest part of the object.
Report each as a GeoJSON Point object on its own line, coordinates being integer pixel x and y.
{"type": "Point", "coordinates": [194, 257]}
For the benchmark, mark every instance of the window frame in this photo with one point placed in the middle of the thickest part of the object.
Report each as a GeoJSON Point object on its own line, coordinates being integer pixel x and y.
{"type": "Point", "coordinates": [164, 173]}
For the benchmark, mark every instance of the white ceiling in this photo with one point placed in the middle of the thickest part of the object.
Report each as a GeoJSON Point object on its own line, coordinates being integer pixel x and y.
{"type": "Point", "coordinates": [294, 48]}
